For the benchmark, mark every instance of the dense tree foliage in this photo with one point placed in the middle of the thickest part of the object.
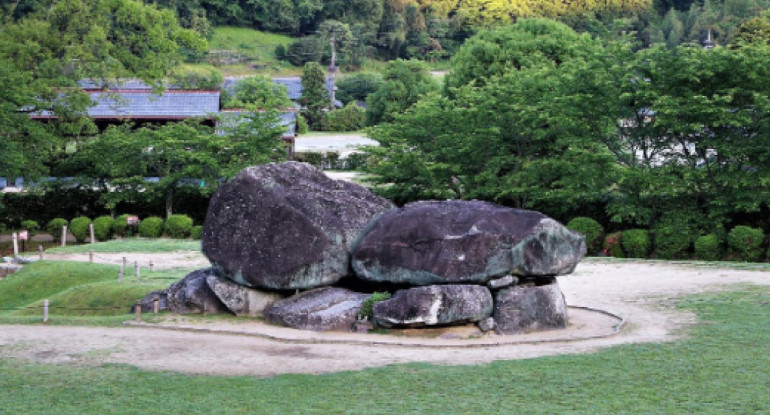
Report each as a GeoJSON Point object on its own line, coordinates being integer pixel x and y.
{"type": "Point", "coordinates": [660, 138]}
{"type": "Point", "coordinates": [123, 157]}
{"type": "Point", "coordinates": [45, 50]}
{"type": "Point", "coordinates": [256, 93]}
{"type": "Point", "coordinates": [404, 83]}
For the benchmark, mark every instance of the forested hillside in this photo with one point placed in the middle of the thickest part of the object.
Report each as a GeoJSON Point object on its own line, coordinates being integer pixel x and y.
{"type": "Point", "coordinates": [434, 29]}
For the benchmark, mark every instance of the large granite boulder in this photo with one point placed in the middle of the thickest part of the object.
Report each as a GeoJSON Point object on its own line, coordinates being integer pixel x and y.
{"type": "Point", "coordinates": [243, 301]}
{"type": "Point", "coordinates": [286, 226]}
{"type": "Point", "coordinates": [434, 305]}
{"type": "Point", "coordinates": [526, 308]}
{"type": "Point", "coordinates": [192, 295]}
{"type": "Point", "coordinates": [320, 309]}
{"type": "Point", "coordinates": [457, 241]}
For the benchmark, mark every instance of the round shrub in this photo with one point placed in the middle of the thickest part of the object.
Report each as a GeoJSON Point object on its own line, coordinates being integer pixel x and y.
{"type": "Point", "coordinates": [54, 227]}
{"type": "Point", "coordinates": [178, 226]}
{"type": "Point", "coordinates": [120, 228]}
{"type": "Point", "coordinates": [636, 243]}
{"type": "Point", "coordinates": [103, 228]}
{"type": "Point", "coordinates": [31, 226]}
{"type": "Point", "coordinates": [196, 232]}
{"type": "Point", "coordinates": [612, 245]}
{"type": "Point", "coordinates": [708, 248]}
{"type": "Point", "coordinates": [79, 228]}
{"type": "Point", "coordinates": [672, 242]}
{"type": "Point", "coordinates": [591, 229]}
{"type": "Point", "coordinates": [350, 118]}
{"type": "Point", "coordinates": [151, 227]}
{"type": "Point", "coordinates": [746, 243]}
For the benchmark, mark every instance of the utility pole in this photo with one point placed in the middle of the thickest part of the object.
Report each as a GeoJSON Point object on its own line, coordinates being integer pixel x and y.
{"type": "Point", "coordinates": [332, 70]}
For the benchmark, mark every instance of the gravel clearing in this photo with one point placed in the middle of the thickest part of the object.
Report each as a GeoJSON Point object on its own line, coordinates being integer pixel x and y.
{"type": "Point", "coordinates": [642, 293]}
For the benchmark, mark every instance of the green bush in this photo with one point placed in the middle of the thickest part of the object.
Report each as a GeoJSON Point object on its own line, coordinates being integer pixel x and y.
{"type": "Point", "coordinates": [746, 243]}
{"type": "Point", "coordinates": [612, 245]}
{"type": "Point", "coordinates": [302, 125]}
{"type": "Point", "coordinates": [196, 232]}
{"type": "Point", "coordinates": [280, 52]}
{"type": "Point", "coordinates": [591, 229]}
{"type": "Point", "coordinates": [54, 227]}
{"type": "Point", "coordinates": [178, 226]}
{"type": "Point", "coordinates": [708, 248]}
{"type": "Point", "coordinates": [79, 228]}
{"type": "Point", "coordinates": [151, 227]}
{"type": "Point", "coordinates": [349, 118]}
{"type": "Point", "coordinates": [31, 226]}
{"type": "Point", "coordinates": [367, 309]}
{"type": "Point", "coordinates": [358, 86]}
{"type": "Point", "coordinates": [120, 227]}
{"type": "Point", "coordinates": [103, 228]}
{"type": "Point", "coordinates": [636, 243]}
{"type": "Point", "coordinates": [672, 242]}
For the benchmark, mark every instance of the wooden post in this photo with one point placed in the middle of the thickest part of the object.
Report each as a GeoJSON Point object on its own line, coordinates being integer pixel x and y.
{"type": "Point", "coordinates": [136, 268]}
{"type": "Point", "coordinates": [40, 251]}
{"type": "Point", "coordinates": [120, 275]}
{"type": "Point", "coordinates": [91, 256]}
{"type": "Point", "coordinates": [45, 311]}
{"type": "Point", "coordinates": [91, 230]}
{"type": "Point", "coordinates": [152, 266]}
{"type": "Point", "coordinates": [64, 235]}
{"type": "Point", "coordinates": [123, 267]}
{"type": "Point", "coordinates": [138, 312]}
{"type": "Point", "coordinates": [156, 305]}
{"type": "Point", "coordinates": [15, 238]}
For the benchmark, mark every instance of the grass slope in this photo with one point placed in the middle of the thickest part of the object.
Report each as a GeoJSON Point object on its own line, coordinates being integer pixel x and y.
{"type": "Point", "coordinates": [720, 368]}
{"type": "Point", "coordinates": [84, 293]}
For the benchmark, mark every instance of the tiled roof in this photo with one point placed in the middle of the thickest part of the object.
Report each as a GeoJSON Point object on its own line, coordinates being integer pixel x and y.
{"type": "Point", "coordinates": [145, 104]}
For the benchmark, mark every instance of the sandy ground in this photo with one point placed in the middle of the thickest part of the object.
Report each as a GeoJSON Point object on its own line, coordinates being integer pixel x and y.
{"type": "Point", "coordinates": [639, 292]}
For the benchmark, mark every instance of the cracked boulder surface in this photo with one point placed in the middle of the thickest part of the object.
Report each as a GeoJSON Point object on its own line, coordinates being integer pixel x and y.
{"type": "Point", "coordinates": [457, 242]}
{"type": "Point", "coordinates": [286, 226]}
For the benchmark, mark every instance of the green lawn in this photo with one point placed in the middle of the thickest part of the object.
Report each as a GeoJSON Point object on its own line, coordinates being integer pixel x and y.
{"type": "Point", "coordinates": [78, 293]}
{"type": "Point", "coordinates": [720, 368]}
{"type": "Point", "coordinates": [132, 245]}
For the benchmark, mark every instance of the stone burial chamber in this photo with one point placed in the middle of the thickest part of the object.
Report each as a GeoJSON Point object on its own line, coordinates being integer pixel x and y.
{"type": "Point", "coordinates": [287, 243]}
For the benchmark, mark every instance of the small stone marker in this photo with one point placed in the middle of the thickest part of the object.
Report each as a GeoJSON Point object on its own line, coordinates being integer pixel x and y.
{"type": "Point", "coordinates": [91, 256]}
{"type": "Point", "coordinates": [138, 312]}
{"type": "Point", "coordinates": [136, 268]}
{"type": "Point", "coordinates": [64, 235]}
{"type": "Point", "coordinates": [45, 311]}
{"type": "Point", "coordinates": [40, 251]}
{"type": "Point", "coordinates": [15, 238]}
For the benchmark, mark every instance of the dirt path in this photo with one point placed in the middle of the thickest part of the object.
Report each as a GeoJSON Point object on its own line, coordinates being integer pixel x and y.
{"type": "Point", "coordinates": [639, 292]}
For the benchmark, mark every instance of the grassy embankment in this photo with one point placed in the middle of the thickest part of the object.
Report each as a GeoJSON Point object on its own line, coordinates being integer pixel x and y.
{"type": "Point", "coordinates": [719, 368]}
{"type": "Point", "coordinates": [82, 293]}
{"type": "Point", "coordinates": [255, 47]}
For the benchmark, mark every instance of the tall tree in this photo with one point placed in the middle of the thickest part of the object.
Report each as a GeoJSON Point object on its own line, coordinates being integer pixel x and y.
{"type": "Point", "coordinates": [404, 83]}
{"type": "Point", "coordinates": [315, 94]}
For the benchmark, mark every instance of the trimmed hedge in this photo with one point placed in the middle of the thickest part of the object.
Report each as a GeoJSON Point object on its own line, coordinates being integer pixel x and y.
{"type": "Point", "coordinates": [612, 245]}
{"type": "Point", "coordinates": [103, 228]}
{"type": "Point", "coordinates": [593, 231]}
{"type": "Point", "coordinates": [120, 228]}
{"type": "Point", "coordinates": [708, 248]}
{"type": "Point", "coordinates": [636, 243]}
{"type": "Point", "coordinates": [54, 227]}
{"type": "Point", "coordinates": [196, 232]}
{"type": "Point", "coordinates": [672, 242]}
{"type": "Point", "coordinates": [746, 243]}
{"type": "Point", "coordinates": [79, 228]}
{"type": "Point", "coordinates": [178, 226]}
{"type": "Point", "coordinates": [151, 227]}
{"type": "Point", "coordinates": [31, 226]}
